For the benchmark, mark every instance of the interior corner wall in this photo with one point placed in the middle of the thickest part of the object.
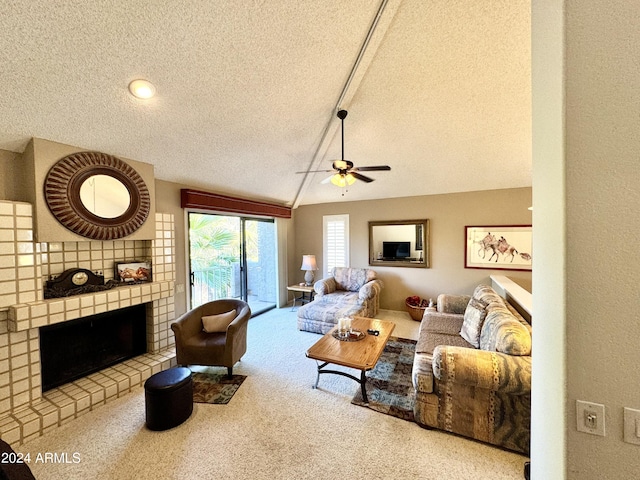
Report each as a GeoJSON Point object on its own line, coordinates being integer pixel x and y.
{"type": "Point", "coordinates": [168, 201]}
{"type": "Point", "coordinates": [448, 215]}
{"type": "Point", "coordinates": [13, 182]}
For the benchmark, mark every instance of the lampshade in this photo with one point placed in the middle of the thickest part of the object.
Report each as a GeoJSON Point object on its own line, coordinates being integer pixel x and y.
{"type": "Point", "coordinates": [342, 180]}
{"type": "Point", "coordinates": [308, 262]}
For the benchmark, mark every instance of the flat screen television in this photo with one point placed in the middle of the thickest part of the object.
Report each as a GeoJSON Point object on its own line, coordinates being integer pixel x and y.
{"type": "Point", "coordinates": [396, 250]}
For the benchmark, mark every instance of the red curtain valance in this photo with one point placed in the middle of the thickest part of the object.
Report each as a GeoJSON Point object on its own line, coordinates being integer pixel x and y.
{"type": "Point", "coordinates": [213, 201]}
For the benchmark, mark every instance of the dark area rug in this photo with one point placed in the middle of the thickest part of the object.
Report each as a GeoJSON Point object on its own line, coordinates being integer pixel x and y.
{"type": "Point", "coordinates": [209, 387]}
{"type": "Point", "coordinates": [389, 386]}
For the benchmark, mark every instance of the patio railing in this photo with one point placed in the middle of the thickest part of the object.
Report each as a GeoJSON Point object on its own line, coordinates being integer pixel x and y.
{"type": "Point", "coordinates": [213, 283]}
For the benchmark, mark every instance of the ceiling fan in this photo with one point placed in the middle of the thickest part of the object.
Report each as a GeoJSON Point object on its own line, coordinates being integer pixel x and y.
{"type": "Point", "coordinates": [344, 173]}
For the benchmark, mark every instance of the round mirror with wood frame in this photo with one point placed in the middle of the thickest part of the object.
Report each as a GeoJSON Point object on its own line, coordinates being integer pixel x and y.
{"type": "Point", "coordinates": [62, 194]}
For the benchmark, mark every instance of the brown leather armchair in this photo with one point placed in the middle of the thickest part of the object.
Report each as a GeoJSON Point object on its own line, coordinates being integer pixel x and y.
{"type": "Point", "coordinates": [194, 346]}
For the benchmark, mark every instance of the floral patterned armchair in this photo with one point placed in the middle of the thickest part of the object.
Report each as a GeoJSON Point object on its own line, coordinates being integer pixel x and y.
{"type": "Point", "coordinates": [347, 292]}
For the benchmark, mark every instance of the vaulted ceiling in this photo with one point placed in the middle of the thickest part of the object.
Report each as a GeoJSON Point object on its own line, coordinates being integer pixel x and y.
{"type": "Point", "coordinates": [248, 90]}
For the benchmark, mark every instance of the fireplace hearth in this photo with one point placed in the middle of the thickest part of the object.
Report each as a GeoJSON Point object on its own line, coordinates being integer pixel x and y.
{"type": "Point", "coordinates": [77, 348]}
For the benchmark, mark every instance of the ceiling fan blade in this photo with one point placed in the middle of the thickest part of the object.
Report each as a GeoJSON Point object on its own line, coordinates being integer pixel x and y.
{"type": "Point", "coordinates": [361, 177]}
{"type": "Point", "coordinates": [375, 168]}
{"type": "Point", "coordinates": [327, 180]}
{"type": "Point", "coordinates": [317, 171]}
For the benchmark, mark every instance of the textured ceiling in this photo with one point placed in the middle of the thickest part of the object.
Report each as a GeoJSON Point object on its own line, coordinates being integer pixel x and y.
{"type": "Point", "coordinates": [247, 90]}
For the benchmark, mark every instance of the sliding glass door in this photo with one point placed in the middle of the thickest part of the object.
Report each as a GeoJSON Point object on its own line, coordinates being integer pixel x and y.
{"type": "Point", "coordinates": [232, 257]}
{"type": "Point", "coordinates": [260, 263]}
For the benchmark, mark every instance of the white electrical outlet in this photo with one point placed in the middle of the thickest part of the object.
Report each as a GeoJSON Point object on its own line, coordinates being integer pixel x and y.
{"type": "Point", "coordinates": [590, 417]}
{"type": "Point", "coordinates": [632, 426]}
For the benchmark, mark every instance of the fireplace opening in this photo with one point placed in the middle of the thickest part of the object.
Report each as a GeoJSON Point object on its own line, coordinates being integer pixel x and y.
{"type": "Point", "coordinates": [77, 348]}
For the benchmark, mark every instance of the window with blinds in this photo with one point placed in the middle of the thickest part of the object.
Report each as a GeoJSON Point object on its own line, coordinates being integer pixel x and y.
{"type": "Point", "coordinates": [335, 234]}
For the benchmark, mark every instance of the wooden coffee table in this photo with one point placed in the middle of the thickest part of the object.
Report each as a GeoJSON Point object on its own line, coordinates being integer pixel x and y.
{"type": "Point", "coordinates": [361, 355]}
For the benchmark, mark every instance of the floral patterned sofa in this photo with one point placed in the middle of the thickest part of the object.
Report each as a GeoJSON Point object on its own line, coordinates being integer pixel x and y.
{"type": "Point", "coordinates": [348, 292]}
{"type": "Point", "coordinates": [472, 370]}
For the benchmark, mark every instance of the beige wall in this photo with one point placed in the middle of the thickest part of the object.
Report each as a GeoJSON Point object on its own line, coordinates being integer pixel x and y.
{"type": "Point", "coordinates": [586, 84]}
{"type": "Point", "coordinates": [602, 173]}
{"type": "Point", "coordinates": [448, 215]}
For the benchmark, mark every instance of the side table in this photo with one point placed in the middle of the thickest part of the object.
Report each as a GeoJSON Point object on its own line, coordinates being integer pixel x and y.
{"type": "Point", "coordinates": [306, 294]}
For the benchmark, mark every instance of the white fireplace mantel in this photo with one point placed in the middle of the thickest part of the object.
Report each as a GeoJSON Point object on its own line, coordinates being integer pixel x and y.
{"type": "Point", "coordinates": [48, 312]}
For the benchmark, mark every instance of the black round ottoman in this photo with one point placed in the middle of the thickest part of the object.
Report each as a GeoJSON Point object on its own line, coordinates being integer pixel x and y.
{"type": "Point", "coordinates": [168, 397]}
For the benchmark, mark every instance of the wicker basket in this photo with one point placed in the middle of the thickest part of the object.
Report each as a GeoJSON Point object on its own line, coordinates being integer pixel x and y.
{"type": "Point", "coordinates": [415, 312]}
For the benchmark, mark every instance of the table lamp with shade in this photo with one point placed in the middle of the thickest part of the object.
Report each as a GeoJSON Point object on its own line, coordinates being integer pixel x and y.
{"type": "Point", "coordinates": [309, 264]}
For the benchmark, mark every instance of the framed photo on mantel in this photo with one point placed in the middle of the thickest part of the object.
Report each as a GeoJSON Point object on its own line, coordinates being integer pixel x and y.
{"type": "Point", "coordinates": [133, 272]}
{"type": "Point", "coordinates": [498, 247]}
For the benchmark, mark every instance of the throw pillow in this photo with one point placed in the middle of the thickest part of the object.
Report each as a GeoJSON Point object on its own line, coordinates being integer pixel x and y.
{"type": "Point", "coordinates": [219, 322]}
{"type": "Point", "coordinates": [474, 316]}
{"type": "Point", "coordinates": [485, 295]}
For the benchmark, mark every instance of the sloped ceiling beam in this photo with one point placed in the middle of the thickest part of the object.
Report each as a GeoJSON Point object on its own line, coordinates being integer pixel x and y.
{"type": "Point", "coordinates": [375, 35]}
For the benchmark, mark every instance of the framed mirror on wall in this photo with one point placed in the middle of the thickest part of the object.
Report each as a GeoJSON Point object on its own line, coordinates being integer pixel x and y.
{"type": "Point", "coordinates": [399, 243]}
{"type": "Point", "coordinates": [97, 196]}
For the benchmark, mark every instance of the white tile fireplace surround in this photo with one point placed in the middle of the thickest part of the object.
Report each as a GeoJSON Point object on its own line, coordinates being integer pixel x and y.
{"type": "Point", "coordinates": [25, 411]}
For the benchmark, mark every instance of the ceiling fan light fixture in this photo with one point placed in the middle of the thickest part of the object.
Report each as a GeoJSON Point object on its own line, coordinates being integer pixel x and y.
{"type": "Point", "coordinates": [343, 171]}
{"type": "Point", "coordinates": [342, 180]}
{"type": "Point", "coordinates": [342, 164]}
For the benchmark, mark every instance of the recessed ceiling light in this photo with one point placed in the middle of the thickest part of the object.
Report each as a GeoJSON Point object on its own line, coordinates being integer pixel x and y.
{"type": "Point", "coordinates": [142, 89]}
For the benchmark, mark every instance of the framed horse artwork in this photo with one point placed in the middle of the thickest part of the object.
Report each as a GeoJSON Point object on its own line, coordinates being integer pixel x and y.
{"type": "Point", "coordinates": [498, 247]}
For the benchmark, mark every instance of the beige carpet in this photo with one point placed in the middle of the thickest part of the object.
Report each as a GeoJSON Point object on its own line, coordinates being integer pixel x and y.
{"type": "Point", "coordinates": [275, 427]}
